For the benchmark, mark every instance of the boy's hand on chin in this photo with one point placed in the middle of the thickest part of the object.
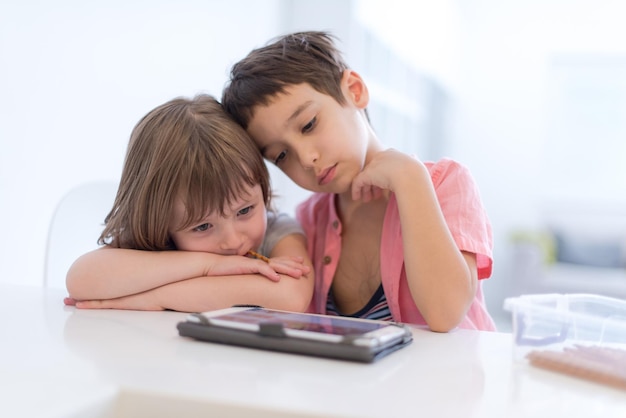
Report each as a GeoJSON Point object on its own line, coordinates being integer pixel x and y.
{"type": "Point", "coordinates": [387, 170]}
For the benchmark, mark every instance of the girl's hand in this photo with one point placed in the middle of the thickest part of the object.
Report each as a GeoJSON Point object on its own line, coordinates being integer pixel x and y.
{"type": "Point", "coordinates": [290, 265]}
{"type": "Point", "coordinates": [228, 265]}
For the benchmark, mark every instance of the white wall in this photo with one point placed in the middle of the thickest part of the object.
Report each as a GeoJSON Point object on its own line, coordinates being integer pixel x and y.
{"type": "Point", "coordinates": [508, 120]}
{"type": "Point", "coordinates": [505, 116]}
{"type": "Point", "coordinates": [75, 77]}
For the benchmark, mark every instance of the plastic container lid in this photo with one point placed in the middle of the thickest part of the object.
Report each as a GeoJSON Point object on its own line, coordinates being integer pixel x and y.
{"type": "Point", "coordinates": [555, 321]}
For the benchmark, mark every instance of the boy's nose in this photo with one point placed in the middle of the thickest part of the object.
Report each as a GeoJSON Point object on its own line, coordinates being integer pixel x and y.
{"type": "Point", "coordinates": [307, 156]}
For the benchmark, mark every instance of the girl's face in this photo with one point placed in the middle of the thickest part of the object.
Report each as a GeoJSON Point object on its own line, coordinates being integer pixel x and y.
{"type": "Point", "coordinates": [241, 229]}
{"type": "Point", "coordinates": [320, 144]}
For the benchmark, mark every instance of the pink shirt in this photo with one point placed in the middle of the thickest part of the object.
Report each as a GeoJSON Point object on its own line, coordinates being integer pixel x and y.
{"type": "Point", "coordinates": [460, 203]}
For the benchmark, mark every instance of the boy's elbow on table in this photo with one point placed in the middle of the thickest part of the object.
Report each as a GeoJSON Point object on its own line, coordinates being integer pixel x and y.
{"type": "Point", "coordinates": [442, 326]}
{"type": "Point", "coordinates": [444, 322]}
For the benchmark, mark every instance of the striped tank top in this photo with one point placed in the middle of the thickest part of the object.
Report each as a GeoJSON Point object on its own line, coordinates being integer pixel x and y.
{"type": "Point", "coordinates": [376, 308]}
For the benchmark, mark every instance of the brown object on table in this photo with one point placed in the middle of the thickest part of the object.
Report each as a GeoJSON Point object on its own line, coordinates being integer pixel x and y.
{"type": "Point", "coordinates": [604, 365]}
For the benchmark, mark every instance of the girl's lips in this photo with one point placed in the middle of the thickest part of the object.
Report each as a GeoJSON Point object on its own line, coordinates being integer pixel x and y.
{"type": "Point", "coordinates": [327, 176]}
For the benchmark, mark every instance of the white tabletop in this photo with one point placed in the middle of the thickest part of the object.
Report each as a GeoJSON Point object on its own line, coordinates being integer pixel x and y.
{"type": "Point", "coordinates": [58, 361]}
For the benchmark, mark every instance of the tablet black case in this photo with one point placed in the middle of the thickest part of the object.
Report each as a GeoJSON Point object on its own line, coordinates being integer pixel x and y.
{"type": "Point", "coordinates": [272, 337]}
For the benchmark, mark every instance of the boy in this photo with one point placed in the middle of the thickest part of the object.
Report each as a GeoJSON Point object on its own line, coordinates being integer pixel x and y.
{"type": "Point", "coordinates": [391, 237]}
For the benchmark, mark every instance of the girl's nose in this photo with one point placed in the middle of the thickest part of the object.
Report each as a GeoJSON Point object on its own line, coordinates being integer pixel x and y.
{"type": "Point", "coordinates": [231, 239]}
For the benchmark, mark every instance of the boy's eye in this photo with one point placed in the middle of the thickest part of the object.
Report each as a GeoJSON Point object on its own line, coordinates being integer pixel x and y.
{"type": "Point", "coordinates": [202, 228]}
{"type": "Point", "coordinates": [280, 157]}
{"type": "Point", "coordinates": [307, 128]}
{"type": "Point", "coordinates": [245, 210]}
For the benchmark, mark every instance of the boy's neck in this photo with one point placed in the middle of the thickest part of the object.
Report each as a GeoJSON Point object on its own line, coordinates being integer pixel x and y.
{"type": "Point", "coordinates": [346, 206]}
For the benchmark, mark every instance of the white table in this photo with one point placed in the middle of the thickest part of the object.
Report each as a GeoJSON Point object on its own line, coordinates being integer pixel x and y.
{"type": "Point", "coordinates": [61, 362]}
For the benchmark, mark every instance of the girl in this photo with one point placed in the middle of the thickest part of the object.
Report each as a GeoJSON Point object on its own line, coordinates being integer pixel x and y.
{"type": "Point", "coordinates": [193, 181]}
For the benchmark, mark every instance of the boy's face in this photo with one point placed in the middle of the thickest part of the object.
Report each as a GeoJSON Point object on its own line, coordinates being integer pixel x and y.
{"type": "Point", "coordinates": [241, 229]}
{"type": "Point", "coordinates": [320, 144]}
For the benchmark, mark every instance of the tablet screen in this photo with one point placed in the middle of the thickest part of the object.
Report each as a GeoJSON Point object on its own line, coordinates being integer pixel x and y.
{"type": "Point", "coordinates": [302, 322]}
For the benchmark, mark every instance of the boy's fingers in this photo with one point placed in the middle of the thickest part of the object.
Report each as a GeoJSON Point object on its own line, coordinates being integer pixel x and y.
{"type": "Point", "coordinates": [366, 194]}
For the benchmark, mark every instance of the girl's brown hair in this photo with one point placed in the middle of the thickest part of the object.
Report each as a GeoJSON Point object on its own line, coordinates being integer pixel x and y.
{"type": "Point", "coordinates": [188, 149]}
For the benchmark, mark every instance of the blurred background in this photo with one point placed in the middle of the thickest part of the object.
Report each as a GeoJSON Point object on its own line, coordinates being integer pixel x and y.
{"type": "Point", "coordinates": [530, 95]}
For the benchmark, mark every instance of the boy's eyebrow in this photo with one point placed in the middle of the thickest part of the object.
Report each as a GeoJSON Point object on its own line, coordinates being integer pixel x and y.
{"type": "Point", "coordinates": [298, 110]}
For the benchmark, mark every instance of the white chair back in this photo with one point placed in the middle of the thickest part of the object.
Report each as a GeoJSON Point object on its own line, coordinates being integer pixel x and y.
{"type": "Point", "coordinates": [77, 222]}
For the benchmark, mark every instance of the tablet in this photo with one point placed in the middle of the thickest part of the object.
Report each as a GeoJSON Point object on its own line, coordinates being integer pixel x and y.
{"type": "Point", "coordinates": [329, 336]}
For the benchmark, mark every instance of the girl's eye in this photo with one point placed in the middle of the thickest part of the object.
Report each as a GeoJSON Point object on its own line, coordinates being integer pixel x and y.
{"type": "Point", "coordinates": [245, 210]}
{"type": "Point", "coordinates": [202, 228]}
{"type": "Point", "coordinates": [280, 157]}
{"type": "Point", "coordinates": [309, 126]}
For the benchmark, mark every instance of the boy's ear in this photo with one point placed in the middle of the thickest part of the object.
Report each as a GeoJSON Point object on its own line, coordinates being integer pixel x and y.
{"type": "Point", "coordinates": [354, 89]}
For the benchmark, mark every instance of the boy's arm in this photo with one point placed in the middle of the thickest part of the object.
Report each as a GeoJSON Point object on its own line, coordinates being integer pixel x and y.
{"type": "Point", "coordinates": [441, 278]}
{"type": "Point", "coordinates": [108, 273]}
{"type": "Point", "coordinates": [208, 293]}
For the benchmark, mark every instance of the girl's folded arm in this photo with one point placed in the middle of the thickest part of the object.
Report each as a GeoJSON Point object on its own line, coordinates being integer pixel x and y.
{"type": "Point", "coordinates": [208, 293]}
{"type": "Point", "coordinates": [108, 273]}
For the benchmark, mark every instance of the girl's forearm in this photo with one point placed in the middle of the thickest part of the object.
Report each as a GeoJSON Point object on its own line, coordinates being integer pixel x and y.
{"type": "Point", "coordinates": [209, 293]}
{"type": "Point", "coordinates": [113, 278]}
{"type": "Point", "coordinates": [112, 272]}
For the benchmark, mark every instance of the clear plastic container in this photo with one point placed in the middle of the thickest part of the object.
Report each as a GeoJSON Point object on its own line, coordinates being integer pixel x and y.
{"type": "Point", "coordinates": [559, 321]}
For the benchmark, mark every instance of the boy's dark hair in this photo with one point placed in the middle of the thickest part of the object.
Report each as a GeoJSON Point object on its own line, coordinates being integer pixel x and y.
{"type": "Point", "coordinates": [302, 57]}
